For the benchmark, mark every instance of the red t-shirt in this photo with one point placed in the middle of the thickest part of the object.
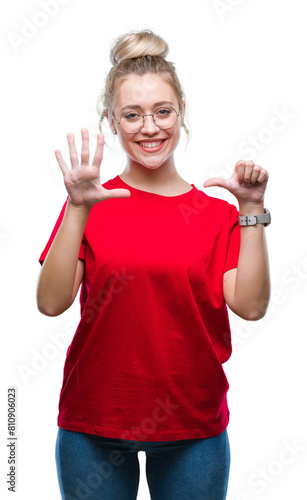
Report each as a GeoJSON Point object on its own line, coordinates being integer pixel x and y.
{"type": "Point", "coordinates": [145, 362]}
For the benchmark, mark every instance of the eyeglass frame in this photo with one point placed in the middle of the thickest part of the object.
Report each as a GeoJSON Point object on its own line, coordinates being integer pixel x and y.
{"type": "Point", "coordinates": [150, 114]}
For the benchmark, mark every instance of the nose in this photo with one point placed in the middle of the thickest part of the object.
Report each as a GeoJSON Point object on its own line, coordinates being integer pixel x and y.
{"type": "Point", "coordinates": [149, 126]}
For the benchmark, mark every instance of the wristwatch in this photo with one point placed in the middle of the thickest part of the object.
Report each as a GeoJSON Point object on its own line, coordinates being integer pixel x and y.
{"type": "Point", "coordinates": [252, 220]}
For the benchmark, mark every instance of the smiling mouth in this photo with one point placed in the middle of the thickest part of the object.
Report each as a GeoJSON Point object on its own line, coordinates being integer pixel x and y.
{"type": "Point", "coordinates": [151, 144]}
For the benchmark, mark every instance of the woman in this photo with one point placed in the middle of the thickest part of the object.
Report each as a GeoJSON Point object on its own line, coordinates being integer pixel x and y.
{"type": "Point", "coordinates": [157, 261]}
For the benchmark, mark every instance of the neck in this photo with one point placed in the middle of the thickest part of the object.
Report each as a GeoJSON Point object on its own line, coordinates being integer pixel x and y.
{"type": "Point", "coordinates": [138, 175]}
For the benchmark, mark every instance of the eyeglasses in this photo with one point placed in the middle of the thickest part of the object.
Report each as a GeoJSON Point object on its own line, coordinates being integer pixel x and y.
{"type": "Point", "coordinates": [132, 122]}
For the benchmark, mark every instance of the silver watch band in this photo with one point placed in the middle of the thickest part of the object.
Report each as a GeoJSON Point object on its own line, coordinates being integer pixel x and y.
{"type": "Point", "coordinates": [252, 220]}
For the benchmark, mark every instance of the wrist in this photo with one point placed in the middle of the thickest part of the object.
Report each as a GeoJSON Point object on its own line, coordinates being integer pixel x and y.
{"type": "Point", "coordinates": [251, 208]}
{"type": "Point", "coordinates": [82, 209]}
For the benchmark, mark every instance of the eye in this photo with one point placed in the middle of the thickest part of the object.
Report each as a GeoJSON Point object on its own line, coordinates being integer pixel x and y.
{"type": "Point", "coordinates": [163, 112]}
{"type": "Point", "coordinates": [131, 116]}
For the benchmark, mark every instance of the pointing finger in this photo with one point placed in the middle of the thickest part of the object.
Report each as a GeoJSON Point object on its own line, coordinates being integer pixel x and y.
{"type": "Point", "coordinates": [215, 181]}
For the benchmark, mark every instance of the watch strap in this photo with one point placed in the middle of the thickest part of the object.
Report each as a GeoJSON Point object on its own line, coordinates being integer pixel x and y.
{"type": "Point", "coordinates": [252, 220]}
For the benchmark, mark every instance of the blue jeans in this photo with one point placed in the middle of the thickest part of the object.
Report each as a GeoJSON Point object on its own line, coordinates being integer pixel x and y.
{"type": "Point", "coordinates": [94, 467]}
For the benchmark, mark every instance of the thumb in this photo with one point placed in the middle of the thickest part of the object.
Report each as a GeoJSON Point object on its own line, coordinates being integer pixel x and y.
{"type": "Point", "coordinates": [216, 181]}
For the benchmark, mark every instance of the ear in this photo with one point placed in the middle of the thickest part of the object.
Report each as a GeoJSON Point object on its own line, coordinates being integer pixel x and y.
{"type": "Point", "coordinates": [111, 123]}
{"type": "Point", "coordinates": [182, 113]}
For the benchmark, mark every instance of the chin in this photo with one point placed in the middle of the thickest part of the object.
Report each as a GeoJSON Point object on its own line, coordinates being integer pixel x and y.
{"type": "Point", "coordinates": [151, 163]}
{"type": "Point", "coordinates": [152, 166]}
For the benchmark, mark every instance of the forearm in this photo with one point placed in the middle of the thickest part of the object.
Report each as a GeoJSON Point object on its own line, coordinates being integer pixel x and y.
{"type": "Point", "coordinates": [57, 276]}
{"type": "Point", "coordinates": [252, 286]}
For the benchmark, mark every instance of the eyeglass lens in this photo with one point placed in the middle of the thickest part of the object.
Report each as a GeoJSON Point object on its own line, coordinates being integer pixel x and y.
{"type": "Point", "coordinates": [164, 118]}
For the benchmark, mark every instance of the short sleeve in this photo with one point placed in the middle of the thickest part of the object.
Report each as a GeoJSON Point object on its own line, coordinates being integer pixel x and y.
{"type": "Point", "coordinates": [233, 248]}
{"type": "Point", "coordinates": [83, 246]}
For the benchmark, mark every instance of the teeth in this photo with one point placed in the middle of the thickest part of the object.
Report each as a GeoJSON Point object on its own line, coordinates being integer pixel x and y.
{"type": "Point", "coordinates": [151, 144]}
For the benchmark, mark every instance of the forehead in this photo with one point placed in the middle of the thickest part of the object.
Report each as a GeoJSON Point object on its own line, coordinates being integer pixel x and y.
{"type": "Point", "coordinates": [143, 90]}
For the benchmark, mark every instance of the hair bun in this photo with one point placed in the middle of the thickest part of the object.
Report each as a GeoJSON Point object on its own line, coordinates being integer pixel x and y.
{"type": "Point", "coordinates": [137, 44]}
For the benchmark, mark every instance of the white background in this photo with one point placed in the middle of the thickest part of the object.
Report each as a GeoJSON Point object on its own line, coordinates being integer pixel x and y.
{"type": "Point", "coordinates": [241, 63]}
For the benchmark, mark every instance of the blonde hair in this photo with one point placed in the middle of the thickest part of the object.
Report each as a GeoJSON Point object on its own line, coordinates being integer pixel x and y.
{"type": "Point", "coordinates": [138, 52]}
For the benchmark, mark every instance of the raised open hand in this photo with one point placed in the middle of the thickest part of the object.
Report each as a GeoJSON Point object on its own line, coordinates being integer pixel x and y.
{"type": "Point", "coordinates": [83, 181]}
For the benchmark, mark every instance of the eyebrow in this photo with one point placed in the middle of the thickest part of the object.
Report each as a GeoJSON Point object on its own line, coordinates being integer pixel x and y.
{"type": "Point", "coordinates": [136, 106]}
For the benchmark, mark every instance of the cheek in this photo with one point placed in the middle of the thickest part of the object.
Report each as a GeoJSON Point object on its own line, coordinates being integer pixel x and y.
{"type": "Point", "coordinates": [177, 136]}
{"type": "Point", "coordinates": [124, 141]}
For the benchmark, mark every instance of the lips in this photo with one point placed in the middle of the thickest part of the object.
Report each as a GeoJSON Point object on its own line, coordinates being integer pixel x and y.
{"type": "Point", "coordinates": [151, 146]}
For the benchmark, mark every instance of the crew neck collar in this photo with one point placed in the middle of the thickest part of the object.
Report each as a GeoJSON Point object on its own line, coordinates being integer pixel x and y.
{"type": "Point", "coordinates": [141, 191]}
